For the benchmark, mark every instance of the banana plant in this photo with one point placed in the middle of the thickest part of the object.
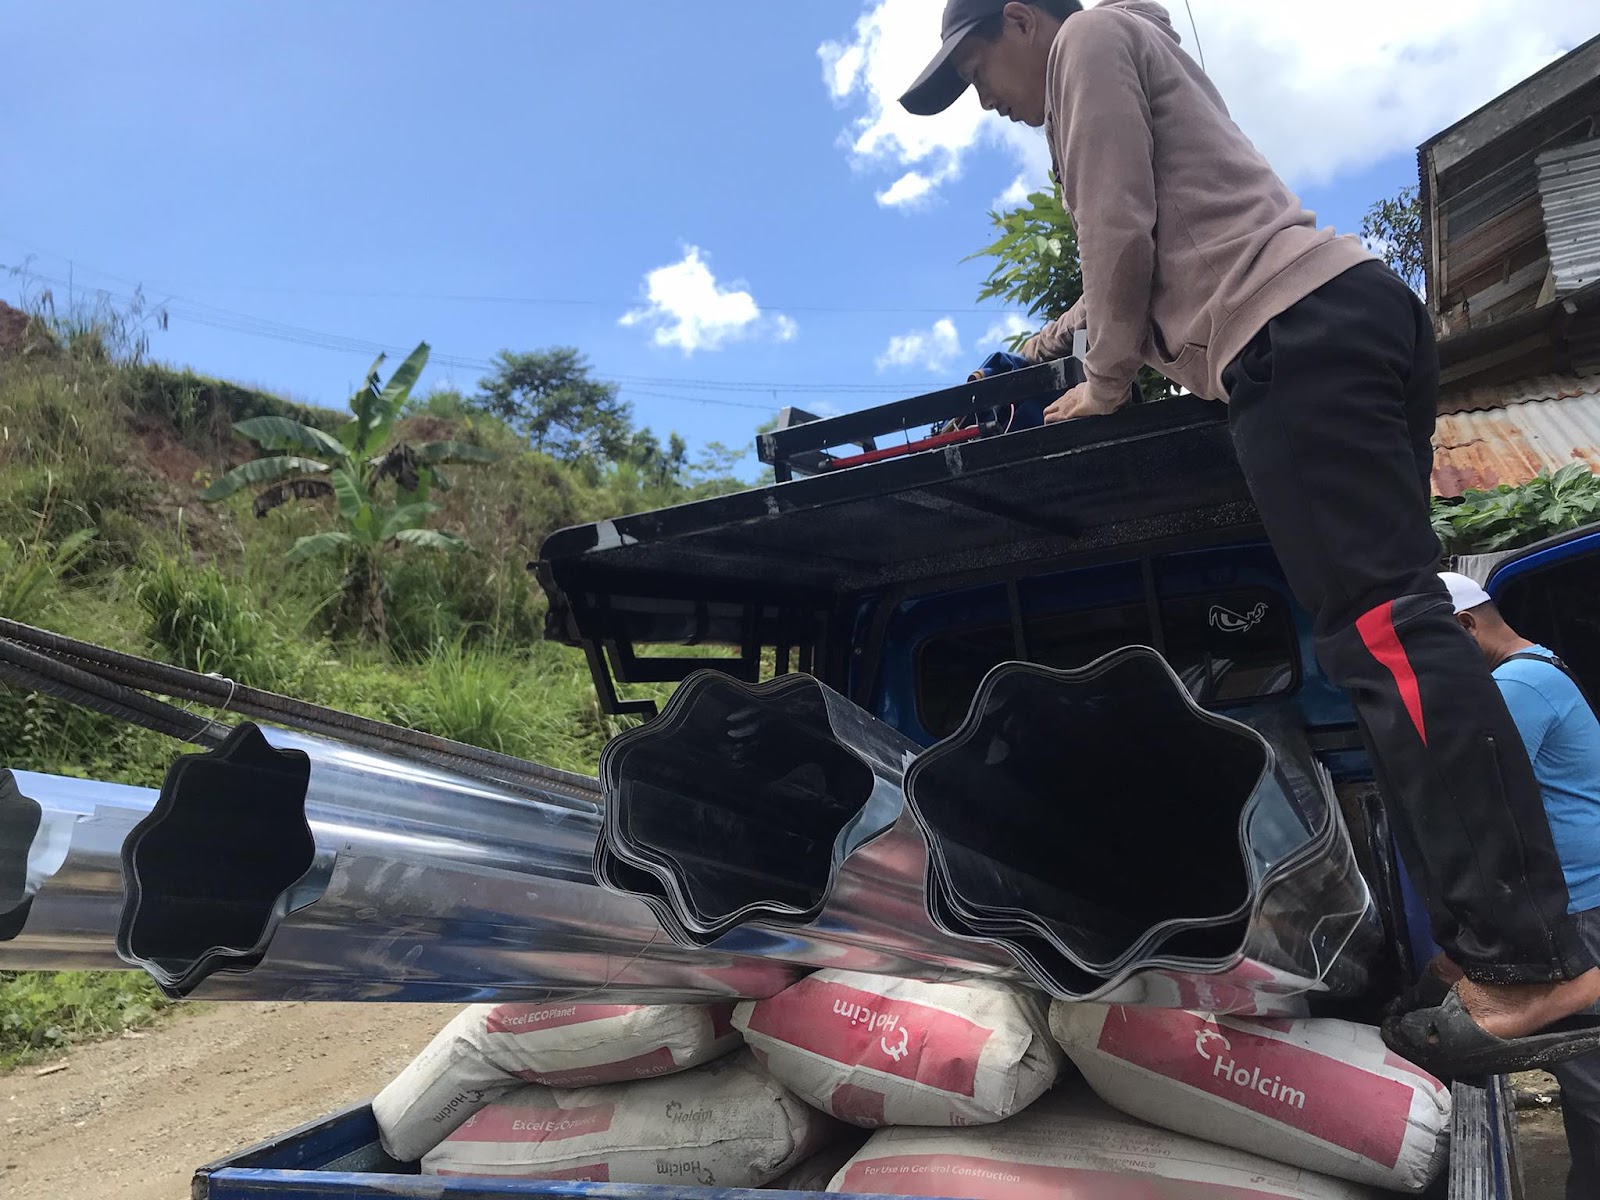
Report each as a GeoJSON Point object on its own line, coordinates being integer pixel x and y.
{"type": "Point", "coordinates": [352, 468]}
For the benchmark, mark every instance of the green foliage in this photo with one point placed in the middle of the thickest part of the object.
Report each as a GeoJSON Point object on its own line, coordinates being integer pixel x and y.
{"type": "Point", "coordinates": [63, 441]}
{"type": "Point", "coordinates": [44, 1013]}
{"type": "Point", "coordinates": [1036, 259]}
{"type": "Point", "coordinates": [447, 404]}
{"type": "Point", "coordinates": [1481, 522]}
{"type": "Point", "coordinates": [353, 468]}
{"type": "Point", "coordinates": [198, 619]}
{"type": "Point", "coordinates": [87, 329]}
{"type": "Point", "coordinates": [42, 733]}
{"type": "Point", "coordinates": [199, 405]}
{"type": "Point", "coordinates": [31, 572]}
{"type": "Point", "coordinates": [1393, 227]}
{"type": "Point", "coordinates": [549, 397]}
{"type": "Point", "coordinates": [1037, 268]}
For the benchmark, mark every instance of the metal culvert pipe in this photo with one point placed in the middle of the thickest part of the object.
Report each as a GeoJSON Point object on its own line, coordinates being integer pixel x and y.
{"type": "Point", "coordinates": [325, 871]}
{"type": "Point", "coordinates": [1130, 846]}
{"type": "Point", "coordinates": [61, 869]}
{"type": "Point", "coordinates": [777, 809]}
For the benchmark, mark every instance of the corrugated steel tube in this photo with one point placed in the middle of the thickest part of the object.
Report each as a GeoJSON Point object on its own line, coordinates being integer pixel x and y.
{"type": "Point", "coordinates": [338, 873]}
{"type": "Point", "coordinates": [753, 809]}
{"type": "Point", "coordinates": [1127, 845]}
{"type": "Point", "coordinates": [61, 869]}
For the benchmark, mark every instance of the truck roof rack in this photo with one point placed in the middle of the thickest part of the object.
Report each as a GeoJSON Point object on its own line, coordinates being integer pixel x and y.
{"type": "Point", "coordinates": [802, 444]}
{"type": "Point", "coordinates": [778, 575]}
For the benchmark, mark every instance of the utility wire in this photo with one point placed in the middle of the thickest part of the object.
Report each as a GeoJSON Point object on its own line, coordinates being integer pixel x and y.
{"type": "Point", "coordinates": [471, 298]}
{"type": "Point", "coordinates": [212, 316]}
{"type": "Point", "coordinates": [1201, 50]}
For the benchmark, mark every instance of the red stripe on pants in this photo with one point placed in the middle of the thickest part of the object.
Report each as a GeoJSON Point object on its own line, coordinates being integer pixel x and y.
{"type": "Point", "coordinates": [1378, 633]}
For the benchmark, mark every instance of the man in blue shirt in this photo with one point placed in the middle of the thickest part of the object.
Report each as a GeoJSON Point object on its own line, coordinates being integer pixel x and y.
{"type": "Point", "coordinates": [1562, 734]}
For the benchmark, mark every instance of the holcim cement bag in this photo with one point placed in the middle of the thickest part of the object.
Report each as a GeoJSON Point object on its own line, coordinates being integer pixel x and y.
{"type": "Point", "coordinates": [1070, 1147]}
{"type": "Point", "coordinates": [1322, 1094]}
{"type": "Point", "coordinates": [814, 1174]}
{"type": "Point", "coordinates": [729, 1124]}
{"type": "Point", "coordinates": [877, 1051]}
{"type": "Point", "coordinates": [490, 1050]}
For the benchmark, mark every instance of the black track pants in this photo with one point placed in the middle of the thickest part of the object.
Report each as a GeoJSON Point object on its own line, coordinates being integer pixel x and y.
{"type": "Point", "coordinates": [1332, 409]}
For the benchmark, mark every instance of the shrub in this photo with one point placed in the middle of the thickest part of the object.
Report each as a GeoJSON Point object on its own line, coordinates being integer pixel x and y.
{"type": "Point", "coordinates": [40, 1013]}
{"type": "Point", "coordinates": [1480, 522]}
{"type": "Point", "coordinates": [201, 620]}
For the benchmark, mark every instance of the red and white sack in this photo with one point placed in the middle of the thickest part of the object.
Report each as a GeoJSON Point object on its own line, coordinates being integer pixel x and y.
{"type": "Point", "coordinates": [1072, 1147]}
{"type": "Point", "coordinates": [874, 1050]}
{"type": "Point", "coordinates": [1323, 1094]}
{"type": "Point", "coordinates": [490, 1050]}
{"type": "Point", "coordinates": [729, 1124]}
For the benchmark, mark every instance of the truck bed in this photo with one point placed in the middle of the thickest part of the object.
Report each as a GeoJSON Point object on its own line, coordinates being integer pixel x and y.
{"type": "Point", "coordinates": [339, 1158]}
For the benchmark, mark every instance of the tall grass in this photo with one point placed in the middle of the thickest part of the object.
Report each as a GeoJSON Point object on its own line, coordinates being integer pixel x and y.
{"type": "Point", "coordinates": [206, 623]}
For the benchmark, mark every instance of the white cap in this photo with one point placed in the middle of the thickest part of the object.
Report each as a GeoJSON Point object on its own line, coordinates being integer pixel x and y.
{"type": "Point", "coordinates": [1465, 593]}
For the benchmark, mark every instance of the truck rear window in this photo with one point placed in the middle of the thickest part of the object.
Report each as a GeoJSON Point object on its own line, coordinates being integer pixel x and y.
{"type": "Point", "coordinates": [1227, 648]}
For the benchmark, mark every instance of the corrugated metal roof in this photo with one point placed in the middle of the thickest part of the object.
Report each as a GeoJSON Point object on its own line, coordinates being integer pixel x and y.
{"type": "Point", "coordinates": [1569, 185]}
{"type": "Point", "coordinates": [1507, 434]}
{"type": "Point", "coordinates": [1523, 391]}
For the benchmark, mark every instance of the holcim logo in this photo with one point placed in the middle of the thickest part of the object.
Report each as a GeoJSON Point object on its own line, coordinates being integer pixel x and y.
{"type": "Point", "coordinates": [695, 1116]}
{"type": "Point", "coordinates": [895, 1042]}
{"type": "Point", "coordinates": [1272, 1087]}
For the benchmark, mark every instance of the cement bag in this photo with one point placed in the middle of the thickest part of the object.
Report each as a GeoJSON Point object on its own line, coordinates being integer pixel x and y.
{"type": "Point", "coordinates": [874, 1050]}
{"type": "Point", "coordinates": [1321, 1094]}
{"type": "Point", "coordinates": [729, 1124]}
{"type": "Point", "coordinates": [491, 1049]}
{"type": "Point", "coordinates": [1072, 1147]}
{"type": "Point", "coordinates": [443, 1086]}
{"type": "Point", "coordinates": [581, 1045]}
{"type": "Point", "coordinates": [814, 1174]}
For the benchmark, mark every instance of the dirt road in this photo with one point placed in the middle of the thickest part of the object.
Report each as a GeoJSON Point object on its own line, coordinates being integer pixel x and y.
{"type": "Point", "coordinates": [130, 1119]}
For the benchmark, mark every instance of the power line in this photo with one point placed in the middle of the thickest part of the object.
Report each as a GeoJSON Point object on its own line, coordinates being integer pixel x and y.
{"type": "Point", "coordinates": [471, 298]}
{"type": "Point", "coordinates": [211, 316]}
{"type": "Point", "coordinates": [1199, 49]}
{"type": "Point", "coordinates": [214, 316]}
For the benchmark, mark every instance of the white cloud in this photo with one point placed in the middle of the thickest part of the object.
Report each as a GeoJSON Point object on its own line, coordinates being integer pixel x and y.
{"type": "Point", "coordinates": [1320, 97]}
{"type": "Point", "coordinates": [1014, 196]}
{"type": "Point", "coordinates": [1001, 332]}
{"type": "Point", "coordinates": [689, 309]}
{"type": "Point", "coordinates": [910, 189]}
{"type": "Point", "coordinates": [933, 349]}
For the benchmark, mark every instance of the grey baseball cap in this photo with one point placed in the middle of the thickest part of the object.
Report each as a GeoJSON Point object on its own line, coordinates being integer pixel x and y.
{"type": "Point", "coordinates": [938, 87]}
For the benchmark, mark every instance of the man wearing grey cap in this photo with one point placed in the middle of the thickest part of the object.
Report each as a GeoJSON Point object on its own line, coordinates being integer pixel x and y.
{"type": "Point", "coordinates": [1200, 262]}
{"type": "Point", "coordinates": [1561, 731]}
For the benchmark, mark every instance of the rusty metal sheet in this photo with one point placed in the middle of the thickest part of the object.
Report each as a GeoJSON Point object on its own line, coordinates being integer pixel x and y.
{"type": "Point", "coordinates": [1490, 436]}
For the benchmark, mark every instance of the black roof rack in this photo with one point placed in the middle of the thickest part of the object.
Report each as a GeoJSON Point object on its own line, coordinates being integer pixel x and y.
{"type": "Point", "coordinates": [785, 567]}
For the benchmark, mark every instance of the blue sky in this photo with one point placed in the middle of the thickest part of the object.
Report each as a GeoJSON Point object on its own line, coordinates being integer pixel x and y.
{"type": "Point", "coordinates": [381, 173]}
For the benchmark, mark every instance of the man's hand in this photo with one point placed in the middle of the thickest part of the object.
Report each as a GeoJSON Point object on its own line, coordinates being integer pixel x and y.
{"type": "Point", "coordinates": [1075, 404]}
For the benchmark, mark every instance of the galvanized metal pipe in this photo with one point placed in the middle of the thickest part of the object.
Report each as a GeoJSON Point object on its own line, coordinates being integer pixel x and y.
{"type": "Point", "coordinates": [1133, 847]}
{"type": "Point", "coordinates": [777, 808]}
{"type": "Point", "coordinates": [342, 874]}
{"type": "Point", "coordinates": [61, 869]}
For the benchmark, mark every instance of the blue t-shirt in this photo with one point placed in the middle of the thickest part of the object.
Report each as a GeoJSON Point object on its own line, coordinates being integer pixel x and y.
{"type": "Point", "coordinates": [1563, 740]}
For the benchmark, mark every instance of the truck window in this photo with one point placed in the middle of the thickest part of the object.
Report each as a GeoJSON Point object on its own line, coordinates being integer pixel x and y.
{"type": "Point", "coordinates": [1557, 607]}
{"type": "Point", "coordinates": [1227, 647]}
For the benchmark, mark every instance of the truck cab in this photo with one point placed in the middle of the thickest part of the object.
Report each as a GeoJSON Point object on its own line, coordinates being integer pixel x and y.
{"type": "Point", "coordinates": [904, 551]}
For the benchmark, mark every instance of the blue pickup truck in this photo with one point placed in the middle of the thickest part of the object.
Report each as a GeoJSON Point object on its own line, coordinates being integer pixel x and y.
{"type": "Point", "coordinates": [905, 550]}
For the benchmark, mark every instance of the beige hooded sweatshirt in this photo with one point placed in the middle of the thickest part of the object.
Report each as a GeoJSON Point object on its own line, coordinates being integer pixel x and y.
{"type": "Point", "coordinates": [1190, 242]}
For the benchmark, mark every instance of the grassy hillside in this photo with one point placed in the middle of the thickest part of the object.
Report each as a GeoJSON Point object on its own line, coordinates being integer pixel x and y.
{"type": "Point", "coordinates": [103, 536]}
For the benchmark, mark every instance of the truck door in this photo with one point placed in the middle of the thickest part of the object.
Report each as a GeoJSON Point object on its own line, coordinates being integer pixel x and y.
{"type": "Point", "coordinates": [1550, 592]}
